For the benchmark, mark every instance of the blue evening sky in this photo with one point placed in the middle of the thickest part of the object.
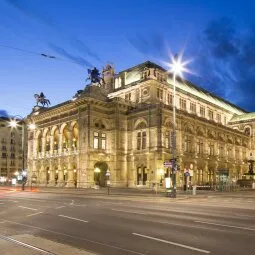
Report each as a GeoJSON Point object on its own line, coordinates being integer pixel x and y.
{"type": "Point", "coordinates": [81, 33]}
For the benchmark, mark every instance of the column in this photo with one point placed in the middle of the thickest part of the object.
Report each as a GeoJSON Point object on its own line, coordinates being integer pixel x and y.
{"type": "Point", "coordinates": [70, 142]}
{"type": "Point", "coordinates": [205, 173]}
{"type": "Point", "coordinates": [60, 143]}
{"type": "Point", "coordinates": [70, 175]}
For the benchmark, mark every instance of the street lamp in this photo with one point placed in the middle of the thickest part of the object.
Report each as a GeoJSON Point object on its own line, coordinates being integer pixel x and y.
{"type": "Point", "coordinates": [177, 67]}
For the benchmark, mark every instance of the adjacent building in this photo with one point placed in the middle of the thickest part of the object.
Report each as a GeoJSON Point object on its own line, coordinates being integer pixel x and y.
{"type": "Point", "coordinates": [124, 128]}
{"type": "Point", "coordinates": [12, 154]}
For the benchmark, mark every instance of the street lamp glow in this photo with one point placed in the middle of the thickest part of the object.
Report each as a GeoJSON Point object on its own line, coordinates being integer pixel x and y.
{"type": "Point", "coordinates": [32, 126]}
{"type": "Point", "coordinates": [13, 123]}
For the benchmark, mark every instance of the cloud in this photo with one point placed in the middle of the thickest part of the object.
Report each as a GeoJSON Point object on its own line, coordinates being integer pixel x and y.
{"type": "Point", "coordinates": [78, 60]}
{"type": "Point", "coordinates": [3, 113]}
{"type": "Point", "coordinates": [227, 61]}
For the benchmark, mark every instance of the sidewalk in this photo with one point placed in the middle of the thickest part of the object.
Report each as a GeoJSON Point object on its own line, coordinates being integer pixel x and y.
{"type": "Point", "coordinates": [126, 192]}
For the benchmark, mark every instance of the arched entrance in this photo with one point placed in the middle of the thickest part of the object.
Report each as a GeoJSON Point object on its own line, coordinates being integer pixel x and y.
{"type": "Point", "coordinates": [100, 169]}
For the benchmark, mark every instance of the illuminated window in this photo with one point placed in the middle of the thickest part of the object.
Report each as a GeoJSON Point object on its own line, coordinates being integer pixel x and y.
{"type": "Point", "coordinates": [103, 141]}
{"type": "Point", "coordinates": [183, 104]}
{"type": "Point", "coordinates": [141, 140]}
{"type": "Point", "coordinates": [96, 140]}
{"type": "Point", "coordinates": [128, 97]}
{"type": "Point", "coordinates": [202, 111]}
{"type": "Point", "coordinates": [193, 107]}
{"type": "Point", "coordinates": [211, 149]}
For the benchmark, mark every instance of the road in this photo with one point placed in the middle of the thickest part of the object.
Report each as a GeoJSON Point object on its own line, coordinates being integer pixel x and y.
{"type": "Point", "coordinates": [114, 225]}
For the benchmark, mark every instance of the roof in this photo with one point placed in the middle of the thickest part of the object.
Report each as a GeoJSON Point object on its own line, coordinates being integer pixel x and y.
{"type": "Point", "coordinates": [193, 89]}
{"type": "Point", "coordinates": [243, 117]}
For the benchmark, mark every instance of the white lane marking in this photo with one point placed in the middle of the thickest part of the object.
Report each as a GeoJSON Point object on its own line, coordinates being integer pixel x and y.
{"type": "Point", "coordinates": [173, 243]}
{"type": "Point", "coordinates": [2, 221]}
{"type": "Point", "coordinates": [128, 211]}
{"type": "Point", "coordinates": [223, 225]}
{"type": "Point", "coordinates": [79, 205]}
{"type": "Point", "coordinates": [28, 208]}
{"type": "Point", "coordinates": [77, 237]}
{"type": "Point", "coordinates": [34, 214]}
{"type": "Point", "coordinates": [72, 218]}
{"type": "Point", "coordinates": [60, 207]}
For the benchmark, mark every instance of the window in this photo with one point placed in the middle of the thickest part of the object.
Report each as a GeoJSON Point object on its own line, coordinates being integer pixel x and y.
{"type": "Point", "coordinates": [193, 107]}
{"type": "Point", "coordinates": [200, 146]}
{"type": "Point", "coordinates": [221, 150]}
{"type": "Point", "coordinates": [237, 154]}
{"type": "Point", "coordinates": [141, 140]}
{"type": "Point", "coordinates": [170, 99]}
{"type": "Point", "coordinates": [230, 152]}
{"type": "Point", "coordinates": [4, 155]}
{"type": "Point", "coordinates": [12, 141]}
{"type": "Point", "coordinates": [188, 147]}
{"type": "Point", "coordinates": [3, 148]}
{"type": "Point", "coordinates": [12, 163]}
{"type": "Point", "coordinates": [99, 140]}
{"type": "Point", "coordinates": [210, 114]}
{"type": "Point", "coordinates": [218, 118]}
{"type": "Point", "coordinates": [183, 104]}
{"type": "Point", "coordinates": [211, 149]}
{"type": "Point", "coordinates": [160, 93]}
{"type": "Point", "coordinates": [247, 131]}
{"type": "Point", "coordinates": [96, 140]}
{"type": "Point", "coordinates": [128, 97]}
{"type": "Point", "coordinates": [12, 148]}
{"type": "Point", "coordinates": [103, 141]}
{"type": "Point", "coordinates": [12, 155]}
{"type": "Point", "coordinates": [202, 111]}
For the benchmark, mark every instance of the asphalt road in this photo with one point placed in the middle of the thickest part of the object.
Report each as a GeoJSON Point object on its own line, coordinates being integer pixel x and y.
{"type": "Point", "coordinates": [114, 225]}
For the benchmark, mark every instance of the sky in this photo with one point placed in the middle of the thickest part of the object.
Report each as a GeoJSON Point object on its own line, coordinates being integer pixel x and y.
{"type": "Point", "coordinates": [218, 36]}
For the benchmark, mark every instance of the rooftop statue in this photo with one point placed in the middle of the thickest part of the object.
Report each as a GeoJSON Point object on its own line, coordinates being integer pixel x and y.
{"type": "Point", "coordinates": [41, 99]}
{"type": "Point", "coordinates": [94, 76]}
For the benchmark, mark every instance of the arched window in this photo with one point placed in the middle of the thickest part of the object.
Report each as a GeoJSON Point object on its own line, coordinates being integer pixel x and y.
{"type": "Point", "coordinates": [141, 137]}
{"type": "Point", "coordinates": [47, 138]}
{"type": "Point", "coordinates": [55, 139]}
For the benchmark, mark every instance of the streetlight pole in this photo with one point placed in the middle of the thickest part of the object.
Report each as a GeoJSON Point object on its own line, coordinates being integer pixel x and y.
{"type": "Point", "coordinates": [174, 138]}
{"type": "Point", "coordinates": [177, 68]}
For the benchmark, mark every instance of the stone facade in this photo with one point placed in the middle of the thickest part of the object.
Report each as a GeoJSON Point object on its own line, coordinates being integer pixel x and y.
{"type": "Point", "coordinates": [11, 154]}
{"type": "Point", "coordinates": [125, 127]}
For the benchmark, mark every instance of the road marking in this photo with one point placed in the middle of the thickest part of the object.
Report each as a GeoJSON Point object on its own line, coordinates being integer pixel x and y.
{"type": "Point", "coordinates": [28, 208]}
{"type": "Point", "coordinates": [78, 237]}
{"type": "Point", "coordinates": [79, 205]}
{"type": "Point", "coordinates": [60, 207]}
{"type": "Point", "coordinates": [222, 225]}
{"type": "Point", "coordinates": [72, 218]}
{"type": "Point", "coordinates": [2, 221]}
{"type": "Point", "coordinates": [128, 211]}
{"type": "Point", "coordinates": [173, 243]}
{"type": "Point", "coordinates": [34, 214]}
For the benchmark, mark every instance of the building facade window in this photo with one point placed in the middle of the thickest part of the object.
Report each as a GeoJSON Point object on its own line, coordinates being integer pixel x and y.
{"type": "Point", "coordinates": [210, 114]}
{"type": "Point", "coordinates": [99, 140]}
{"type": "Point", "coordinates": [183, 104]}
{"type": "Point", "coordinates": [202, 111]}
{"type": "Point", "coordinates": [128, 97]}
{"type": "Point", "coordinates": [3, 148]}
{"type": "Point", "coordinates": [170, 99]}
{"type": "Point", "coordinates": [188, 144]}
{"type": "Point", "coordinates": [211, 149]}
{"type": "Point", "coordinates": [4, 155]}
{"type": "Point", "coordinates": [96, 140]}
{"type": "Point", "coordinates": [141, 140]}
{"type": "Point", "coordinates": [193, 107]}
{"type": "Point", "coordinates": [160, 94]}
{"type": "Point", "coordinates": [218, 118]}
{"type": "Point", "coordinates": [200, 146]}
{"type": "Point", "coordinates": [169, 139]}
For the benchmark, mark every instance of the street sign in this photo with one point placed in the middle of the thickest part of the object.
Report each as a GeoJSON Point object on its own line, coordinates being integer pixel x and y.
{"type": "Point", "coordinates": [168, 164]}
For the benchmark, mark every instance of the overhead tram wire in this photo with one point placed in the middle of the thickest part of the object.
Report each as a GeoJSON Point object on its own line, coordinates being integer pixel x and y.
{"type": "Point", "coordinates": [35, 53]}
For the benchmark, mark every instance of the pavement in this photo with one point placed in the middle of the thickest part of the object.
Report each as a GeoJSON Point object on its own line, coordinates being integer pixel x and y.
{"type": "Point", "coordinates": [55, 223]}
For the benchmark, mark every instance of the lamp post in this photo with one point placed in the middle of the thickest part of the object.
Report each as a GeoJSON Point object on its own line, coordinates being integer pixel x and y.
{"type": "Point", "coordinates": [14, 123]}
{"type": "Point", "coordinates": [177, 68]}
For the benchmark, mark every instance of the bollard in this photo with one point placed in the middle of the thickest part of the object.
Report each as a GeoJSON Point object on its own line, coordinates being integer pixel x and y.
{"type": "Point", "coordinates": [194, 189]}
